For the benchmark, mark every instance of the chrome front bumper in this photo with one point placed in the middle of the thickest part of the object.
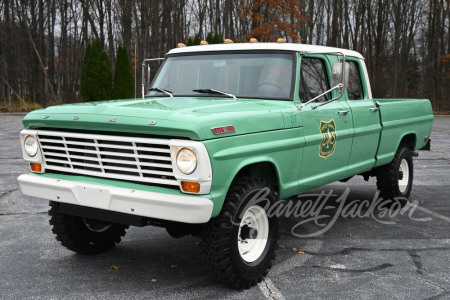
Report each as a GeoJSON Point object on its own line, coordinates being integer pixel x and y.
{"type": "Point", "coordinates": [186, 209]}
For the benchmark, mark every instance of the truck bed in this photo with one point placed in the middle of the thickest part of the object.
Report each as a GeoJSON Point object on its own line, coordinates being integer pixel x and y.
{"type": "Point", "coordinates": [400, 118]}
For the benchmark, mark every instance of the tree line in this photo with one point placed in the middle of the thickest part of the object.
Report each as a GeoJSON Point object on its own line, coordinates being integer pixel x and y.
{"type": "Point", "coordinates": [405, 42]}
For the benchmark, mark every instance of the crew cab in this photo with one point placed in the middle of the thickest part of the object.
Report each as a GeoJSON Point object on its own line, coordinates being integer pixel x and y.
{"type": "Point", "coordinates": [221, 133]}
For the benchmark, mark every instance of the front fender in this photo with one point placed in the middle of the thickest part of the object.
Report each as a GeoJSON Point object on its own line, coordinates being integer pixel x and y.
{"type": "Point", "coordinates": [281, 148]}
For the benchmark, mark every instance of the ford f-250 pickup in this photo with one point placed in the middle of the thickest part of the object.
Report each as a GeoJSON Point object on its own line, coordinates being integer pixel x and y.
{"type": "Point", "coordinates": [218, 125]}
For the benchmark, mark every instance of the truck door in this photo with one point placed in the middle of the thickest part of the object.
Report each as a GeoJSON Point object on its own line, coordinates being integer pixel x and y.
{"type": "Point", "coordinates": [366, 120]}
{"type": "Point", "coordinates": [328, 129]}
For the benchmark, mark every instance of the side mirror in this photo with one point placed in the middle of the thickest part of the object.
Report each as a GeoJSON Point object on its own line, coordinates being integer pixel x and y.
{"type": "Point", "coordinates": [336, 77]}
{"type": "Point", "coordinates": [144, 63]}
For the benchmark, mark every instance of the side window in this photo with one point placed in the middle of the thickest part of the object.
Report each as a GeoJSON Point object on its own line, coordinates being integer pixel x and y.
{"type": "Point", "coordinates": [354, 89]}
{"type": "Point", "coordinates": [313, 79]}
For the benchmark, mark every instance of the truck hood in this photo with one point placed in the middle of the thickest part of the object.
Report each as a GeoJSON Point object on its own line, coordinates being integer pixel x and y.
{"type": "Point", "coordinates": [188, 117]}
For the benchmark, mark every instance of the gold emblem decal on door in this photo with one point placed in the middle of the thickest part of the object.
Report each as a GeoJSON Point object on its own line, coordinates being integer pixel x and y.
{"type": "Point", "coordinates": [329, 137]}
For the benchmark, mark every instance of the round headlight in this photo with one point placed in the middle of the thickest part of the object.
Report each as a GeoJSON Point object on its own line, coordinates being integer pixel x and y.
{"type": "Point", "coordinates": [186, 161]}
{"type": "Point", "coordinates": [31, 146]}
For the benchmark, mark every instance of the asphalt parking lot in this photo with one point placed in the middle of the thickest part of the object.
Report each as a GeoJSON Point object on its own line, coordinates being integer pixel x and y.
{"type": "Point", "coordinates": [372, 255]}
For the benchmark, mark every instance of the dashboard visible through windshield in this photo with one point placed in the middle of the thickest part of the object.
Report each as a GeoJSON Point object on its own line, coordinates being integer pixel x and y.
{"type": "Point", "coordinates": [244, 75]}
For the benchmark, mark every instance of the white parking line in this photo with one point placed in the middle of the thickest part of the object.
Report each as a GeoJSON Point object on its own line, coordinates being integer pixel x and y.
{"type": "Point", "coordinates": [435, 214]}
{"type": "Point", "coordinates": [295, 261]}
{"type": "Point", "coordinates": [269, 289]}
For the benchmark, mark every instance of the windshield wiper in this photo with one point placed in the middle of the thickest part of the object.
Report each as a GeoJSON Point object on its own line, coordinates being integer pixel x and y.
{"type": "Point", "coordinates": [211, 91]}
{"type": "Point", "coordinates": [161, 91]}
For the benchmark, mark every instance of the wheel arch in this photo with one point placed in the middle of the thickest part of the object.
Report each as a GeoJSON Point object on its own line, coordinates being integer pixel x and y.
{"type": "Point", "coordinates": [262, 167]}
{"type": "Point", "coordinates": [385, 157]}
{"type": "Point", "coordinates": [408, 139]}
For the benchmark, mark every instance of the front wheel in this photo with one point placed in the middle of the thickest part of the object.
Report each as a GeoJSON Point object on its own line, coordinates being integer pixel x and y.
{"type": "Point", "coordinates": [394, 180]}
{"type": "Point", "coordinates": [83, 235]}
{"type": "Point", "coordinates": [240, 243]}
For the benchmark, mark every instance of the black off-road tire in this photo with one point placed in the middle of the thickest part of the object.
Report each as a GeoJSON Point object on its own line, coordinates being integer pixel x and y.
{"type": "Point", "coordinates": [75, 235]}
{"type": "Point", "coordinates": [388, 176]}
{"type": "Point", "coordinates": [219, 237]}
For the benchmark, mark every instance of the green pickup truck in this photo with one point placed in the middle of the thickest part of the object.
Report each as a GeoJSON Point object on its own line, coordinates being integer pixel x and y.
{"type": "Point", "coordinates": [222, 132]}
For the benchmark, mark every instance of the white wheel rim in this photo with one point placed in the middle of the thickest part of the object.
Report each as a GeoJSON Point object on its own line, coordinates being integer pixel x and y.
{"type": "Point", "coordinates": [251, 249]}
{"type": "Point", "coordinates": [403, 183]}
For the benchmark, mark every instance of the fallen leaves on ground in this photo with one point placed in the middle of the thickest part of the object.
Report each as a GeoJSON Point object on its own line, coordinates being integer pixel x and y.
{"type": "Point", "coordinates": [115, 277]}
{"type": "Point", "coordinates": [326, 257]}
{"type": "Point", "coordinates": [294, 250]}
{"type": "Point", "coordinates": [348, 235]}
{"type": "Point", "coordinates": [173, 266]}
{"type": "Point", "coordinates": [301, 252]}
{"type": "Point", "coordinates": [115, 267]}
{"type": "Point", "coordinates": [154, 280]}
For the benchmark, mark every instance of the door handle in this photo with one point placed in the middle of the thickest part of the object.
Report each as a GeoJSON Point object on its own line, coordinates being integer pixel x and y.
{"type": "Point", "coordinates": [374, 109]}
{"type": "Point", "coordinates": [343, 112]}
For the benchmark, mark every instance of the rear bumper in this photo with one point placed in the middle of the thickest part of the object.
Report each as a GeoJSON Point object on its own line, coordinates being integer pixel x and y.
{"type": "Point", "coordinates": [185, 209]}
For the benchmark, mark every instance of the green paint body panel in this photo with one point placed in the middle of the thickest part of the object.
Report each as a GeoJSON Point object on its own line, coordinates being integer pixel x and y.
{"type": "Point", "coordinates": [191, 118]}
{"type": "Point", "coordinates": [399, 118]}
{"type": "Point", "coordinates": [270, 135]}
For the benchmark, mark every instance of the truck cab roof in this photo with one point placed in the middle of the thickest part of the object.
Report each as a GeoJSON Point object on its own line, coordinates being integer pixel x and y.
{"type": "Point", "coordinates": [304, 48]}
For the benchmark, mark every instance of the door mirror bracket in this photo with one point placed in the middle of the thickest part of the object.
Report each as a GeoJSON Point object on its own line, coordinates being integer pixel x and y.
{"type": "Point", "coordinates": [339, 81]}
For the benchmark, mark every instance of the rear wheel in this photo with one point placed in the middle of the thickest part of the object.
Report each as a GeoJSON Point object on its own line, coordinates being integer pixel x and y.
{"type": "Point", "coordinates": [83, 235]}
{"type": "Point", "coordinates": [240, 243]}
{"type": "Point", "coordinates": [395, 179]}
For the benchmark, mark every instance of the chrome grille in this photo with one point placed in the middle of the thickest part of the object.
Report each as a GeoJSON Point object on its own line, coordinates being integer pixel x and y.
{"type": "Point", "coordinates": [124, 158]}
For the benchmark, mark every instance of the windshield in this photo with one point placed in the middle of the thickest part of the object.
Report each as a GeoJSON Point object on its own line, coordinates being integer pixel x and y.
{"type": "Point", "coordinates": [244, 75]}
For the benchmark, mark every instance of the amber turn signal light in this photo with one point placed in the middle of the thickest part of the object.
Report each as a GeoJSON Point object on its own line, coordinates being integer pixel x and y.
{"type": "Point", "coordinates": [35, 167]}
{"type": "Point", "coordinates": [190, 187]}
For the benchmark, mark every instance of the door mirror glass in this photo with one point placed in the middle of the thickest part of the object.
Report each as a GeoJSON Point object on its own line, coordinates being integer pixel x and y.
{"type": "Point", "coordinates": [336, 77]}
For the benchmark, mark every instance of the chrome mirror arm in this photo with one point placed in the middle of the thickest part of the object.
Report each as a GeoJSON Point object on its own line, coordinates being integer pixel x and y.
{"type": "Point", "coordinates": [340, 85]}
{"type": "Point", "coordinates": [338, 97]}
{"type": "Point", "coordinates": [143, 73]}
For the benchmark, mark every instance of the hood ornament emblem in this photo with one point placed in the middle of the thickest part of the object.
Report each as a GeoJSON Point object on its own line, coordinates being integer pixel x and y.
{"type": "Point", "coordinates": [46, 116]}
{"type": "Point", "coordinates": [111, 119]}
{"type": "Point", "coordinates": [151, 122]}
{"type": "Point", "coordinates": [76, 117]}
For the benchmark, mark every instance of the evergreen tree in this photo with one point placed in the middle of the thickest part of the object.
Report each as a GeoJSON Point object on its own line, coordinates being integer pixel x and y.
{"type": "Point", "coordinates": [197, 40]}
{"type": "Point", "coordinates": [123, 78]}
{"type": "Point", "coordinates": [190, 42]}
{"type": "Point", "coordinates": [96, 77]}
{"type": "Point", "coordinates": [210, 38]}
{"type": "Point", "coordinates": [217, 39]}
